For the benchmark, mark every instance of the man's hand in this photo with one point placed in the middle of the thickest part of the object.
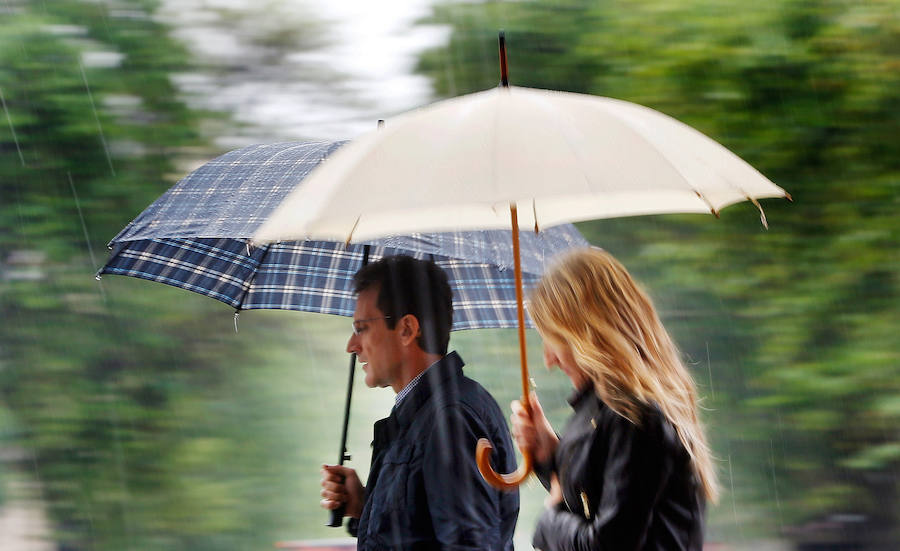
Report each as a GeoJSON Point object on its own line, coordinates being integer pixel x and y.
{"type": "Point", "coordinates": [341, 485]}
{"type": "Point", "coordinates": [533, 432]}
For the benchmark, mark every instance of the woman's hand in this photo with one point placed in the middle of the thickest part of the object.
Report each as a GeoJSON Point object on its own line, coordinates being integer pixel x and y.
{"type": "Point", "coordinates": [532, 431]}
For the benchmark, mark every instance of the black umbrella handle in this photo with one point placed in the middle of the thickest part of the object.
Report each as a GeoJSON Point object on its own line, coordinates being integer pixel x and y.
{"type": "Point", "coordinates": [337, 515]}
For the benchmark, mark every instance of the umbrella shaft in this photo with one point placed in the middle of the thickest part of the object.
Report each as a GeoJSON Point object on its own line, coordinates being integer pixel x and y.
{"type": "Point", "coordinates": [343, 450]}
{"type": "Point", "coordinates": [520, 305]}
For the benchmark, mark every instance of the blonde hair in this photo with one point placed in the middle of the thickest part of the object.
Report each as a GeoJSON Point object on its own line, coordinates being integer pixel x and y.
{"type": "Point", "coordinates": [590, 302]}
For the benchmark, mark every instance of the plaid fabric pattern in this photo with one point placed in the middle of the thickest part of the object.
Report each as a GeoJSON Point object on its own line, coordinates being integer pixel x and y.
{"type": "Point", "coordinates": [317, 276]}
{"type": "Point", "coordinates": [231, 195]}
{"type": "Point", "coordinates": [404, 392]}
{"type": "Point", "coordinates": [196, 235]}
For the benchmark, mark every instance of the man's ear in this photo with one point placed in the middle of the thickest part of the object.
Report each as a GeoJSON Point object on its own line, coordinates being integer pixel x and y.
{"type": "Point", "coordinates": [409, 329]}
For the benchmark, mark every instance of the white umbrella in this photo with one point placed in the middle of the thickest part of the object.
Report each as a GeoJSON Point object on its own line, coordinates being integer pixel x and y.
{"type": "Point", "coordinates": [560, 157]}
{"type": "Point", "coordinates": [549, 157]}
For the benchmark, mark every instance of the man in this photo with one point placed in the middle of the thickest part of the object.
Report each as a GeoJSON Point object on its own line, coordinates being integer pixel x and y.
{"type": "Point", "coordinates": [424, 490]}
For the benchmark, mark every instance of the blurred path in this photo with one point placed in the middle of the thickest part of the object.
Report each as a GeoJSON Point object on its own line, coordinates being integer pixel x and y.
{"type": "Point", "coordinates": [23, 522]}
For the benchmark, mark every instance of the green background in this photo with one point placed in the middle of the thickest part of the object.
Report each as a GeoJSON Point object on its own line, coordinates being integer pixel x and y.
{"type": "Point", "coordinates": [132, 416]}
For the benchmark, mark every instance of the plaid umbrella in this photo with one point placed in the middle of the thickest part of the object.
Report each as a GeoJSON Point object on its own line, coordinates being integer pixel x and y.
{"type": "Point", "coordinates": [196, 237]}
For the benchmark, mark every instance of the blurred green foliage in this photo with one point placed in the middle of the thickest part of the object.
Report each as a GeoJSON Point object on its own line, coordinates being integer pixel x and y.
{"type": "Point", "coordinates": [115, 400]}
{"type": "Point", "coordinates": [793, 330]}
{"type": "Point", "coordinates": [147, 423]}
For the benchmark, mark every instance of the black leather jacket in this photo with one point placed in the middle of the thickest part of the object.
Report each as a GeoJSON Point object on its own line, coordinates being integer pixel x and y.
{"type": "Point", "coordinates": [424, 489]}
{"type": "Point", "coordinates": [625, 487]}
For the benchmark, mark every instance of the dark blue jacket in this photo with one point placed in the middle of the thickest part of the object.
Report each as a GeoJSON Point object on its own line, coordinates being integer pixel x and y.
{"type": "Point", "coordinates": [424, 489]}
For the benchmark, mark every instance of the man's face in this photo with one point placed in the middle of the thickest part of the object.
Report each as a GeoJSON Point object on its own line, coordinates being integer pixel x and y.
{"type": "Point", "coordinates": [377, 347]}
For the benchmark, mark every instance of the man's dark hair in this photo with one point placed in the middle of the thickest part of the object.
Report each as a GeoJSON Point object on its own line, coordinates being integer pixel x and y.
{"type": "Point", "coordinates": [410, 286]}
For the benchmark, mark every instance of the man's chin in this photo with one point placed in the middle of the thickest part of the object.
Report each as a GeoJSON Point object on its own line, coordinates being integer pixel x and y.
{"type": "Point", "coordinates": [371, 382]}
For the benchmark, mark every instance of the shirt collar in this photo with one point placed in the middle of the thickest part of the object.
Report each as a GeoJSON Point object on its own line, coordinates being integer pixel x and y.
{"type": "Point", "coordinates": [441, 374]}
{"type": "Point", "coordinates": [410, 386]}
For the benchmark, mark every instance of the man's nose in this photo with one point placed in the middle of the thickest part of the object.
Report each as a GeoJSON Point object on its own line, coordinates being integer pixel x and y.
{"type": "Point", "coordinates": [353, 344]}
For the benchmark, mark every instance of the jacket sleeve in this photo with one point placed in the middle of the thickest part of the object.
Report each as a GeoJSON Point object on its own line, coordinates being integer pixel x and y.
{"type": "Point", "coordinates": [464, 509]}
{"type": "Point", "coordinates": [638, 464]}
{"type": "Point", "coordinates": [544, 471]}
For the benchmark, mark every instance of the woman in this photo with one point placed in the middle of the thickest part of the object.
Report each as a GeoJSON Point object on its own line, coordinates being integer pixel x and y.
{"type": "Point", "coordinates": [632, 469]}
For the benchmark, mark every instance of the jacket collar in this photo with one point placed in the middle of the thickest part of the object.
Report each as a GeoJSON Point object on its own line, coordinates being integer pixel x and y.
{"type": "Point", "coordinates": [439, 375]}
{"type": "Point", "coordinates": [579, 395]}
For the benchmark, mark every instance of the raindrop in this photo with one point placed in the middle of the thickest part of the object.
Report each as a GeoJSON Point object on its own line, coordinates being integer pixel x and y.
{"type": "Point", "coordinates": [733, 498]}
{"type": "Point", "coordinates": [87, 239]}
{"type": "Point", "coordinates": [11, 129]}
{"type": "Point", "coordinates": [97, 118]}
{"type": "Point", "coordinates": [775, 480]}
{"type": "Point", "coordinates": [84, 230]}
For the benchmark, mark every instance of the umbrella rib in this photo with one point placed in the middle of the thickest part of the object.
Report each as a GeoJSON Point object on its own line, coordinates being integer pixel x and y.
{"type": "Point", "coordinates": [709, 204]}
{"type": "Point", "coordinates": [762, 214]}
{"type": "Point", "coordinates": [702, 161]}
{"type": "Point", "coordinates": [353, 229]}
{"type": "Point", "coordinates": [252, 279]}
{"type": "Point", "coordinates": [627, 124]}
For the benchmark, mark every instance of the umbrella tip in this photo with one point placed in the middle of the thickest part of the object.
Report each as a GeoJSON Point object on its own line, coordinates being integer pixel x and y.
{"type": "Point", "coordinates": [788, 197]}
{"type": "Point", "coordinates": [352, 230]}
{"type": "Point", "coordinates": [504, 73]}
{"type": "Point", "coordinates": [762, 214]}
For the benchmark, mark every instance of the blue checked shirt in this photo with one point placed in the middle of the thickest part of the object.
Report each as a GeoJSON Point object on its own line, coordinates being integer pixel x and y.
{"type": "Point", "coordinates": [409, 387]}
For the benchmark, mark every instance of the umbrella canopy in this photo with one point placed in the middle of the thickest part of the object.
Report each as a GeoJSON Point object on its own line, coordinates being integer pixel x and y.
{"type": "Point", "coordinates": [560, 157]}
{"type": "Point", "coordinates": [196, 235]}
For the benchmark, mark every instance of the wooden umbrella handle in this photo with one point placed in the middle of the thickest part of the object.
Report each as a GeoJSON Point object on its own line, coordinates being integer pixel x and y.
{"type": "Point", "coordinates": [483, 448]}
{"type": "Point", "coordinates": [500, 481]}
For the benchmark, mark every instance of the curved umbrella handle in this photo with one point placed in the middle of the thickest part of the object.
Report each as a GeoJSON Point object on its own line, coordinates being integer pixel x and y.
{"type": "Point", "coordinates": [483, 447]}
{"type": "Point", "coordinates": [505, 482]}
